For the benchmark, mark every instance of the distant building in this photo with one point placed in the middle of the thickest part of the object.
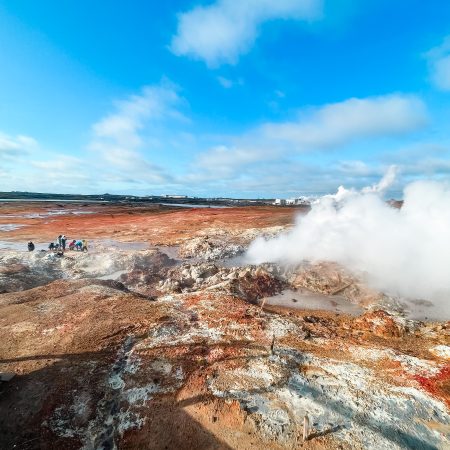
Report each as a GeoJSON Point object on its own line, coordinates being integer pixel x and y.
{"type": "Point", "coordinates": [176, 196]}
{"type": "Point", "coordinates": [292, 201]}
{"type": "Point", "coordinates": [303, 201]}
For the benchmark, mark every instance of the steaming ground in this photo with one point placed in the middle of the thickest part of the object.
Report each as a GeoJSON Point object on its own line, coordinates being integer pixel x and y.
{"type": "Point", "coordinates": [403, 252]}
{"type": "Point", "coordinates": [150, 340]}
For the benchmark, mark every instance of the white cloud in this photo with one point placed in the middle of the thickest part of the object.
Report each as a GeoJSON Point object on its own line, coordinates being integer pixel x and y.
{"type": "Point", "coordinates": [13, 146]}
{"type": "Point", "coordinates": [59, 162]}
{"type": "Point", "coordinates": [356, 167]}
{"type": "Point", "coordinates": [58, 172]}
{"type": "Point", "coordinates": [122, 127]}
{"type": "Point", "coordinates": [229, 162]}
{"type": "Point", "coordinates": [118, 157]}
{"type": "Point", "coordinates": [430, 159]}
{"type": "Point", "coordinates": [329, 126]}
{"type": "Point", "coordinates": [134, 165]}
{"type": "Point", "coordinates": [225, 82]}
{"type": "Point", "coordinates": [439, 65]}
{"type": "Point", "coordinates": [427, 166]}
{"type": "Point", "coordinates": [221, 32]}
{"type": "Point", "coordinates": [125, 152]}
{"type": "Point", "coordinates": [341, 123]}
{"type": "Point", "coordinates": [119, 137]}
{"type": "Point", "coordinates": [275, 149]}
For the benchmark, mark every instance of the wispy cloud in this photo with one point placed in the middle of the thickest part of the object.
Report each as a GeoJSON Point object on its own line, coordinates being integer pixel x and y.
{"type": "Point", "coordinates": [221, 32]}
{"type": "Point", "coordinates": [120, 137]}
{"type": "Point", "coordinates": [439, 65]}
{"type": "Point", "coordinates": [13, 146]}
{"type": "Point", "coordinates": [317, 129]}
{"type": "Point", "coordinates": [121, 128]}
{"type": "Point", "coordinates": [227, 83]}
{"type": "Point", "coordinates": [340, 123]}
{"type": "Point", "coordinates": [430, 159]}
{"type": "Point", "coordinates": [61, 164]}
{"type": "Point", "coordinates": [287, 158]}
{"type": "Point", "coordinates": [118, 157]}
{"type": "Point", "coordinates": [41, 171]}
{"type": "Point", "coordinates": [229, 162]}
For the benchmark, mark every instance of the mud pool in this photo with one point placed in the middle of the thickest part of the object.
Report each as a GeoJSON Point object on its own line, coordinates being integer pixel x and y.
{"type": "Point", "coordinates": [303, 299]}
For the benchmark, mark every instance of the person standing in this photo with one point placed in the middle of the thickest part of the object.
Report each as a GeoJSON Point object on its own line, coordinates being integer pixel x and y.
{"type": "Point", "coordinates": [63, 242]}
{"type": "Point", "coordinates": [85, 247]}
{"type": "Point", "coordinates": [60, 241]}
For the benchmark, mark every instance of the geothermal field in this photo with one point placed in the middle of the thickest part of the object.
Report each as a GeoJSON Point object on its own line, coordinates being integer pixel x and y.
{"type": "Point", "coordinates": [224, 328]}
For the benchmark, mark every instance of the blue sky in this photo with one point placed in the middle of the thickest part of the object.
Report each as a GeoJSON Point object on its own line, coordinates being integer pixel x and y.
{"type": "Point", "coordinates": [256, 98]}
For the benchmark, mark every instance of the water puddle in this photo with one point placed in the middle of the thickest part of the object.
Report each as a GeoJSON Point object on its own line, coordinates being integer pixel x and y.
{"type": "Point", "coordinates": [424, 310]}
{"type": "Point", "coordinates": [192, 205]}
{"type": "Point", "coordinates": [48, 213]}
{"type": "Point", "coordinates": [10, 226]}
{"type": "Point", "coordinates": [112, 244]}
{"type": "Point", "coordinates": [170, 250]}
{"type": "Point", "coordinates": [113, 276]}
{"type": "Point", "coordinates": [21, 246]}
{"type": "Point", "coordinates": [304, 299]}
{"type": "Point", "coordinates": [50, 200]}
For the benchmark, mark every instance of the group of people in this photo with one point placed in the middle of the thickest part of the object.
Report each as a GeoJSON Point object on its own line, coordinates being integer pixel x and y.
{"type": "Point", "coordinates": [59, 246]}
{"type": "Point", "coordinates": [61, 243]}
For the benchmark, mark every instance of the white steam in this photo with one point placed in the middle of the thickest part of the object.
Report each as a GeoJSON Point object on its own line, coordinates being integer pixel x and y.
{"type": "Point", "coordinates": [404, 252]}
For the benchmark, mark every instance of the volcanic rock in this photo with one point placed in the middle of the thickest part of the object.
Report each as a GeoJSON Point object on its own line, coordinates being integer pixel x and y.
{"type": "Point", "coordinates": [381, 324]}
{"type": "Point", "coordinates": [250, 283]}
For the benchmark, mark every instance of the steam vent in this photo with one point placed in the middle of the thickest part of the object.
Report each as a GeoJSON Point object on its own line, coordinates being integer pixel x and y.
{"type": "Point", "coordinates": [163, 335]}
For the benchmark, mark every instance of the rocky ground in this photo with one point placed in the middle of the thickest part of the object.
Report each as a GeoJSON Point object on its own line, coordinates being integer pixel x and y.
{"type": "Point", "coordinates": [177, 344]}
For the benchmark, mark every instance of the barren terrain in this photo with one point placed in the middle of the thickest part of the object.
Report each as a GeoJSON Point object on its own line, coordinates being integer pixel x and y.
{"type": "Point", "coordinates": [162, 337]}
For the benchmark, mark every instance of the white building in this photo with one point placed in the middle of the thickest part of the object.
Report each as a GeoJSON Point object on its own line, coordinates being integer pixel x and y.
{"type": "Point", "coordinates": [292, 201]}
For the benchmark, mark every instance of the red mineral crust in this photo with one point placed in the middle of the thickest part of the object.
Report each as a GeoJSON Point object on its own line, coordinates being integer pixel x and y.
{"type": "Point", "coordinates": [140, 349]}
{"type": "Point", "coordinates": [437, 385]}
{"type": "Point", "coordinates": [159, 225]}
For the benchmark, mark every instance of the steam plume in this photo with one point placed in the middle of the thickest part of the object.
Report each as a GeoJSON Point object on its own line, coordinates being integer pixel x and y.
{"type": "Point", "coordinates": [404, 252]}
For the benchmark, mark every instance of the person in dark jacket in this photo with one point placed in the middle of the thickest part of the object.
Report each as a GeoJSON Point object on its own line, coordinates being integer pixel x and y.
{"type": "Point", "coordinates": [63, 242]}
{"type": "Point", "coordinates": [30, 246]}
